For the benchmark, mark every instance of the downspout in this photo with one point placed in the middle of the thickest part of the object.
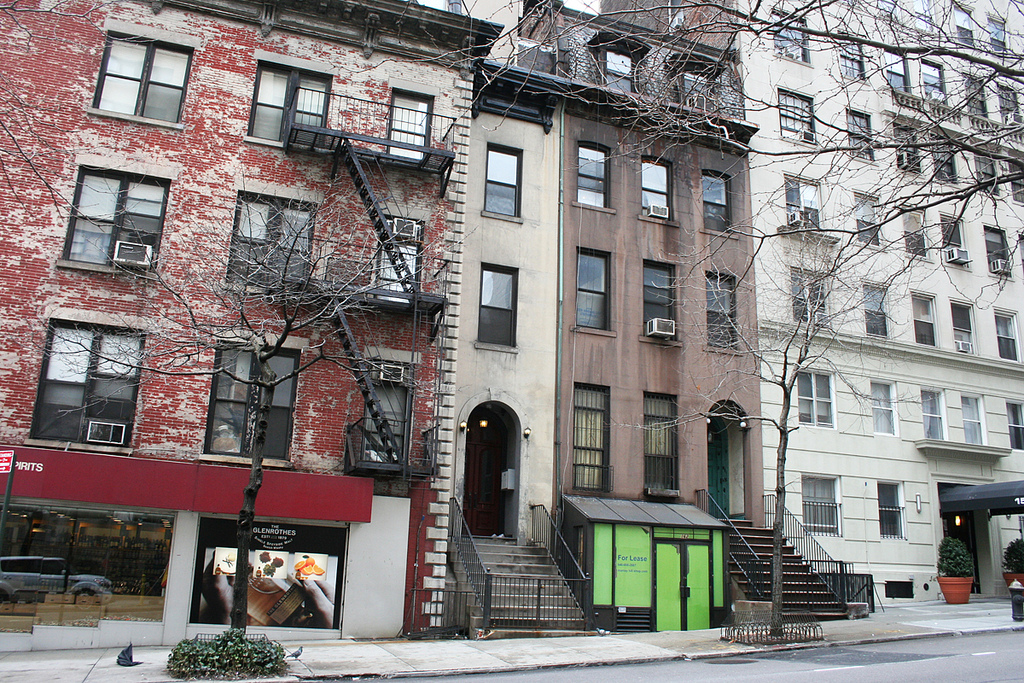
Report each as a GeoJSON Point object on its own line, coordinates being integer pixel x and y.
{"type": "Point", "coordinates": [561, 301]}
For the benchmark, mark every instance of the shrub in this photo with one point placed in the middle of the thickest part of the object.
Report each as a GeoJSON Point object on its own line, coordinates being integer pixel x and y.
{"type": "Point", "coordinates": [230, 653]}
{"type": "Point", "coordinates": [1013, 557]}
{"type": "Point", "coordinates": [954, 559]}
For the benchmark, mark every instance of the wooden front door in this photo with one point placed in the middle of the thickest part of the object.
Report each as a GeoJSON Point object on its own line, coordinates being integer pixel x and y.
{"type": "Point", "coordinates": [485, 460]}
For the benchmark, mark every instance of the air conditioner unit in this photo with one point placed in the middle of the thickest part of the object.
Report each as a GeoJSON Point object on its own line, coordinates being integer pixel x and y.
{"type": "Point", "coordinates": [110, 433]}
{"type": "Point", "coordinates": [661, 327]}
{"type": "Point", "coordinates": [393, 373]}
{"type": "Point", "coordinates": [808, 136]}
{"type": "Point", "coordinates": [957, 255]}
{"type": "Point", "coordinates": [655, 211]}
{"type": "Point", "coordinates": [1000, 266]}
{"type": "Point", "coordinates": [963, 346]}
{"type": "Point", "coordinates": [677, 21]}
{"type": "Point", "coordinates": [133, 254]}
{"type": "Point", "coordinates": [405, 228]}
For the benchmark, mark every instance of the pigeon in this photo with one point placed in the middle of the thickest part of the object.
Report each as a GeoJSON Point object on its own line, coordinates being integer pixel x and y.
{"type": "Point", "coordinates": [124, 658]}
{"type": "Point", "coordinates": [295, 655]}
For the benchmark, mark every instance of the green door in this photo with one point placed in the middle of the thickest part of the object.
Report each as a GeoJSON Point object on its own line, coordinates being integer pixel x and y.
{"type": "Point", "coordinates": [698, 587]}
{"type": "Point", "coordinates": [668, 593]}
{"type": "Point", "coordinates": [718, 462]}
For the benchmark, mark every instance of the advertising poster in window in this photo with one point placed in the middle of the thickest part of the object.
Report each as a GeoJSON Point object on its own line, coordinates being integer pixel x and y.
{"type": "Point", "coordinates": [295, 576]}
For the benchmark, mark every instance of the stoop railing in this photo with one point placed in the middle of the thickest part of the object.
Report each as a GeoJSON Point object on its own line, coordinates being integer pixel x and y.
{"type": "Point", "coordinates": [479, 576]}
{"type": "Point", "coordinates": [544, 532]}
{"type": "Point", "coordinates": [756, 569]}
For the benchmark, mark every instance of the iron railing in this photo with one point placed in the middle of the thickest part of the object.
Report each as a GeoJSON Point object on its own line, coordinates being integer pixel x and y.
{"type": "Point", "coordinates": [534, 602]}
{"type": "Point", "coordinates": [821, 518]}
{"type": "Point", "coordinates": [591, 477]}
{"type": "Point", "coordinates": [461, 538]}
{"type": "Point", "coordinates": [755, 569]}
{"type": "Point", "coordinates": [440, 613]}
{"type": "Point", "coordinates": [890, 521]}
{"type": "Point", "coordinates": [545, 532]}
{"type": "Point", "coordinates": [660, 472]}
{"type": "Point", "coordinates": [365, 452]}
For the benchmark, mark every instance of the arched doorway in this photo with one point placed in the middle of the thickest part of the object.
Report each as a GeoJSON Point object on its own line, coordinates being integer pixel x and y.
{"type": "Point", "coordinates": [486, 458]}
{"type": "Point", "coordinates": [727, 432]}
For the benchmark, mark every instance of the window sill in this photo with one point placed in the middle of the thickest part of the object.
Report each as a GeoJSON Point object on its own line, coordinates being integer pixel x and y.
{"type": "Point", "coordinates": [659, 341]}
{"type": "Point", "coordinates": [601, 209]}
{"type": "Point", "coordinates": [263, 141]}
{"type": "Point", "coordinates": [793, 60]}
{"type": "Point", "coordinates": [490, 346]}
{"type": "Point", "coordinates": [798, 140]}
{"type": "Point", "coordinates": [73, 446]}
{"type": "Point", "coordinates": [90, 267]}
{"type": "Point", "coordinates": [159, 123]}
{"type": "Point", "coordinates": [275, 463]}
{"type": "Point", "coordinates": [502, 217]}
{"type": "Point", "coordinates": [727, 350]}
{"type": "Point", "coordinates": [595, 331]}
{"type": "Point", "coordinates": [669, 223]}
{"type": "Point", "coordinates": [728, 233]}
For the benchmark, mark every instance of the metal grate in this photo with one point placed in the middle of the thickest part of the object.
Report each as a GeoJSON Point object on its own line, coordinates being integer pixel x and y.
{"type": "Point", "coordinates": [755, 627]}
{"type": "Point", "coordinates": [633, 619]}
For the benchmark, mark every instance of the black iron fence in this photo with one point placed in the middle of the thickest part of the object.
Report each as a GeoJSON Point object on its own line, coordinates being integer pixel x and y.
{"type": "Point", "coordinates": [440, 613]}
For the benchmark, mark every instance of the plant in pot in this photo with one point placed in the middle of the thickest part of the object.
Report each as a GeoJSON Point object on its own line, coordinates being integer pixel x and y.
{"type": "Point", "coordinates": [1013, 561]}
{"type": "Point", "coordinates": [956, 571]}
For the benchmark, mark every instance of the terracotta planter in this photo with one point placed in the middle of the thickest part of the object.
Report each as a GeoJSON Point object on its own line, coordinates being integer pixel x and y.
{"type": "Point", "coordinates": [1010, 578]}
{"type": "Point", "coordinates": [956, 589]}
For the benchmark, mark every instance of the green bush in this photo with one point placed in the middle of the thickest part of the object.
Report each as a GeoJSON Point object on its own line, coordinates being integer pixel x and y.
{"type": "Point", "coordinates": [1013, 557]}
{"type": "Point", "coordinates": [954, 559]}
{"type": "Point", "coordinates": [229, 654]}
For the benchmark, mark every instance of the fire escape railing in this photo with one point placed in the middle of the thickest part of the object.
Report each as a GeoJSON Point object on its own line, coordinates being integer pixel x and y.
{"type": "Point", "coordinates": [756, 569]}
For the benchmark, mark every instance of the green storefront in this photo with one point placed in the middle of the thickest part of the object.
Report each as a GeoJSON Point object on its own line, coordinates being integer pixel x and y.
{"type": "Point", "coordinates": [656, 566]}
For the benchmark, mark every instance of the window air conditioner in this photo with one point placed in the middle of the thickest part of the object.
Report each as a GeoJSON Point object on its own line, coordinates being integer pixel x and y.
{"type": "Point", "coordinates": [110, 433]}
{"type": "Point", "coordinates": [405, 228]}
{"type": "Point", "coordinates": [1000, 266]}
{"type": "Point", "coordinates": [963, 346]}
{"type": "Point", "coordinates": [808, 136]}
{"type": "Point", "coordinates": [957, 255]}
{"type": "Point", "coordinates": [661, 327]}
{"type": "Point", "coordinates": [393, 373]}
{"type": "Point", "coordinates": [655, 211]}
{"type": "Point", "coordinates": [133, 254]}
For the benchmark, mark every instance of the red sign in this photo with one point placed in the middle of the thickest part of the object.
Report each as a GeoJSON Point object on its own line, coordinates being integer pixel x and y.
{"type": "Point", "coordinates": [6, 461]}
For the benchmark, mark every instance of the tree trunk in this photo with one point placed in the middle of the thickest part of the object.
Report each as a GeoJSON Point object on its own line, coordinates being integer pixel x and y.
{"type": "Point", "coordinates": [258, 423]}
{"type": "Point", "coordinates": [778, 528]}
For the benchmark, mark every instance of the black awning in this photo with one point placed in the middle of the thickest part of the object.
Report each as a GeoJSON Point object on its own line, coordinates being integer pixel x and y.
{"type": "Point", "coordinates": [644, 512]}
{"type": "Point", "coordinates": [1003, 498]}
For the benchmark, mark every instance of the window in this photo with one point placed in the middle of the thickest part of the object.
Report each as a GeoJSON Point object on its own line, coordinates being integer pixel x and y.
{"type": "Point", "coordinates": [721, 316]}
{"type": "Point", "coordinates": [658, 298]}
{"type": "Point", "coordinates": [932, 82]}
{"type": "Point", "coordinates": [875, 319]}
{"type": "Point", "coordinates": [409, 124]}
{"type": "Point", "coordinates": [654, 187]}
{"type": "Point", "coordinates": [864, 211]}
{"type": "Point", "coordinates": [90, 379]}
{"type": "Point", "coordinates": [1015, 420]}
{"type": "Point", "coordinates": [985, 174]}
{"type": "Point", "coordinates": [908, 156]}
{"type": "Point", "coordinates": [272, 97]}
{"type": "Point", "coordinates": [914, 235]}
{"type": "Point", "coordinates": [233, 395]}
{"type": "Point", "coordinates": [592, 290]}
{"type": "Point", "coordinates": [931, 414]}
{"type": "Point", "coordinates": [923, 12]}
{"type": "Point", "coordinates": [618, 71]}
{"type": "Point", "coordinates": [143, 78]}
{"type": "Point", "coordinates": [592, 177]}
{"type": "Point", "coordinates": [896, 72]}
{"type": "Point", "coordinates": [883, 412]}
{"type": "Point", "coordinates": [997, 35]}
{"type": "Point", "coordinates": [801, 204]}
{"type": "Point", "coordinates": [112, 209]}
{"type": "Point", "coordinates": [821, 512]}
{"type": "Point", "coordinates": [851, 61]}
{"type": "Point", "coordinates": [790, 39]}
{"type": "Point", "coordinates": [951, 233]}
{"type": "Point", "coordinates": [964, 26]}
{"type": "Point", "coordinates": [590, 438]}
{"type": "Point", "coordinates": [890, 511]}
{"type": "Point", "coordinates": [716, 202]}
{"type": "Point", "coordinates": [814, 392]}
{"type": "Point", "coordinates": [498, 305]}
{"type": "Point", "coordinates": [660, 443]}
{"type": "Point", "coordinates": [501, 190]}
{"type": "Point", "coordinates": [963, 335]}
{"type": "Point", "coordinates": [976, 102]}
{"type": "Point", "coordinates": [1006, 336]}
{"type": "Point", "coordinates": [970, 409]}
{"type": "Point", "coordinates": [394, 400]}
{"type": "Point", "coordinates": [407, 252]}
{"type": "Point", "coordinates": [996, 250]}
{"type": "Point", "coordinates": [1009, 106]}
{"type": "Point", "coordinates": [809, 297]}
{"type": "Point", "coordinates": [271, 240]}
{"type": "Point", "coordinates": [796, 116]}
{"type": "Point", "coordinates": [858, 128]}
{"type": "Point", "coordinates": [924, 320]}
{"type": "Point", "coordinates": [1017, 182]}
{"type": "Point", "coordinates": [944, 159]}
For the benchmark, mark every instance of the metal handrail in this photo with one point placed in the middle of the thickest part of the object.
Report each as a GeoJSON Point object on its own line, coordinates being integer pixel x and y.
{"type": "Point", "coordinates": [479, 575]}
{"type": "Point", "coordinates": [551, 536]}
{"type": "Point", "coordinates": [753, 566]}
{"type": "Point", "coordinates": [813, 553]}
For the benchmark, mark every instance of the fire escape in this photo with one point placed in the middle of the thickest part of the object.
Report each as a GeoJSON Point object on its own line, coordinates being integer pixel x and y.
{"type": "Point", "coordinates": [364, 139]}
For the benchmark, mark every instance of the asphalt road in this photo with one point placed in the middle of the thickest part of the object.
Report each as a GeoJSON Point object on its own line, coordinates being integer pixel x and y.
{"type": "Point", "coordinates": [967, 659]}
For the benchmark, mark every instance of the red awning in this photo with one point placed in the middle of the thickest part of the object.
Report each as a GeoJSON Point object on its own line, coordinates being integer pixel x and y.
{"type": "Point", "coordinates": [74, 476]}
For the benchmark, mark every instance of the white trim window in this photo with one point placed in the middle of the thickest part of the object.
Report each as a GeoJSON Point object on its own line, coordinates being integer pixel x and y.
{"type": "Point", "coordinates": [1006, 336]}
{"type": "Point", "coordinates": [890, 511]}
{"type": "Point", "coordinates": [1015, 421]}
{"type": "Point", "coordinates": [973, 418]}
{"type": "Point", "coordinates": [814, 392]}
{"type": "Point", "coordinates": [883, 408]}
{"type": "Point", "coordinates": [820, 509]}
{"type": "Point", "coordinates": [932, 414]}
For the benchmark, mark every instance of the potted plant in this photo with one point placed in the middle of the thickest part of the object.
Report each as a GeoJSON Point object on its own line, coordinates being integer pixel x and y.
{"type": "Point", "coordinates": [956, 571]}
{"type": "Point", "coordinates": [1013, 562]}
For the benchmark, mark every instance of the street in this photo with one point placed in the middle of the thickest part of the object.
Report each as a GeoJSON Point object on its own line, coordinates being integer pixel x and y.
{"type": "Point", "coordinates": [975, 658]}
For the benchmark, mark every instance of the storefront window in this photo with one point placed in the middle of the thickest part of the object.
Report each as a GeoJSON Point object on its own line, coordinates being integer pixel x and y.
{"type": "Point", "coordinates": [72, 567]}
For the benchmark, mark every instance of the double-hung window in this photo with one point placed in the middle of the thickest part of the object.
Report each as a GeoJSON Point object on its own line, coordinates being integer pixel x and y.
{"type": "Point", "coordinates": [858, 129]}
{"type": "Point", "coordinates": [393, 394]}
{"type": "Point", "coordinates": [810, 297]}
{"type": "Point", "coordinates": [498, 305]}
{"type": "Point", "coordinates": [658, 292]}
{"type": "Point", "coordinates": [501, 193]}
{"type": "Point", "coordinates": [977, 104]}
{"type": "Point", "coordinates": [660, 443]}
{"type": "Point", "coordinates": [963, 329]}
{"type": "Point", "coordinates": [820, 509]}
{"type": "Point", "coordinates": [876, 322]}
{"type": "Point", "coordinates": [932, 81]}
{"type": "Point", "coordinates": [896, 72]}
{"type": "Point", "coordinates": [914, 239]}
{"type": "Point", "coordinates": [618, 71]}
{"type": "Point", "coordinates": [908, 156]}
{"type": "Point", "coordinates": [814, 396]}
{"type": "Point", "coordinates": [271, 241]}
{"type": "Point", "coordinates": [924, 320]}
{"type": "Point", "coordinates": [985, 173]}
{"type": "Point", "coordinates": [952, 235]}
{"type": "Point", "coordinates": [932, 410]}
{"type": "Point", "coordinates": [88, 387]}
{"type": "Point", "coordinates": [944, 159]}
{"type": "Point", "coordinates": [716, 202]}
{"type": "Point", "coordinates": [275, 85]}
{"type": "Point", "coordinates": [924, 13]}
{"type": "Point", "coordinates": [116, 218]}
{"type": "Point", "coordinates": [590, 438]}
{"type": "Point", "coordinates": [1009, 105]}
{"type": "Point", "coordinates": [592, 176]}
{"type": "Point", "coordinates": [997, 251]}
{"type": "Point", "coordinates": [801, 204]}
{"type": "Point", "coordinates": [592, 290]}
{"type": "Point", "coordinates": [890, 511]}
{"type": "Point", "coordinates": [973, 419]}
{"type": "Point", "coordinates": [997, 35]}
{"type": "Point", "coordinates": [143, 78]}
{"type": "Point", "coordinates": [721, 310]}
{"type": "Point", "coordinates": [235, 395]}
{"type": "Point", "coordinates": [964, 26]}
{"type": "Point", "coordinates": [796, 116]}
{"type": "Point", "coordinates": [654, 176]}
{"type": "Point", "coordinates": [883, 410]}
{"type": "Point", "coordinates": [1006, 336]}
{"type": "Point", "coordinates": [1015, 421]}
{"type": "Point", "coordinates": [851, 61]}
{"type": "Point", "coordinates": [409, 124]}
{"type": "Point", "coordinates": [868, 230]}
{"type": "Point", "coordinates": [791, 39]}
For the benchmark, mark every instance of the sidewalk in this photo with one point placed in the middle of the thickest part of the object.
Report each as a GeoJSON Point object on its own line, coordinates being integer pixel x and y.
{"type": "Point", "coordinates": [402, 658]}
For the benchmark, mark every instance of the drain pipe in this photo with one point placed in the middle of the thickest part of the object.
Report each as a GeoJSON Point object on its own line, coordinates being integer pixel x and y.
{"type": "Point", "coordinates": [560, 315]}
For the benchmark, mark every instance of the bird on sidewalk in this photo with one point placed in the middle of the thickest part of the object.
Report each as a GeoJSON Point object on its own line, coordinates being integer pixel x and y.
{"type": "Point", "coordinates": [294, 655]}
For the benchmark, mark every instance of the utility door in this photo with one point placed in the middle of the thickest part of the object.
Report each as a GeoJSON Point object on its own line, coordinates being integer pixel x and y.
{"type": "Point", "coordinates": [682, 586]}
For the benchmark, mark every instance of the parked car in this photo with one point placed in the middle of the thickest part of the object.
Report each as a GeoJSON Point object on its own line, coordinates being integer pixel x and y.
{"type": "Point", "coordinates": [28, 578]}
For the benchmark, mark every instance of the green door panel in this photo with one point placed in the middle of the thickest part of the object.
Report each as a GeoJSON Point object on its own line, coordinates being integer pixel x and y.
{"type": "Point", "coordinates": [603, 564]}
{"type": "Point", "coordinates": [698, 581]}
{"type": "Point", "coordinates": [668, 595]}
{"type": "Point", "coordinates": [718, 567]}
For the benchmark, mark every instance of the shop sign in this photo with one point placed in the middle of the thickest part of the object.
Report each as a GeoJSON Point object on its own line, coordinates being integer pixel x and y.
{"type": "Point", "coordinates": [6, 461]}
